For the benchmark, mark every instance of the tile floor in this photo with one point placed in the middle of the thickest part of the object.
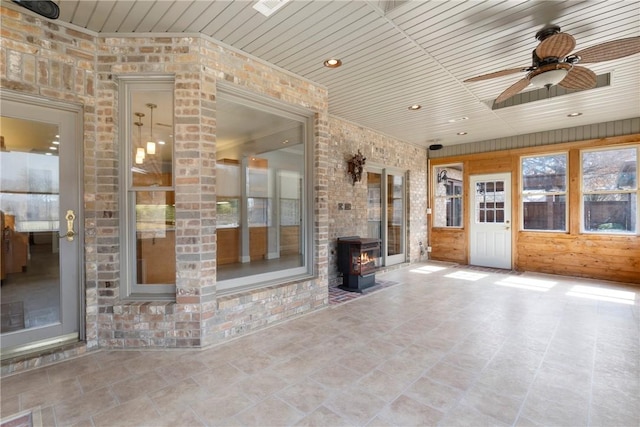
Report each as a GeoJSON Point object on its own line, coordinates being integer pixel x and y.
{"type": "Point", "coordinates": [445, 346]}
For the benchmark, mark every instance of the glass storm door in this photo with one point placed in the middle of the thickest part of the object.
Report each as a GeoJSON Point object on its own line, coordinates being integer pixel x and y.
{"type": "Point", "coordinates": [40, 219]}
{"type": "Point", "coordinates": [386, 214]}
{"type": "Point", "coordinates": [490, 239]}
{"type": "Point", "coordinates": [395, 218]}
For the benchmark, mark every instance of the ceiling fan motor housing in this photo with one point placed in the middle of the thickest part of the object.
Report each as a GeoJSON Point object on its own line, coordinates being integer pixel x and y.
{"type": "Point", "coordinates": [547, 31]}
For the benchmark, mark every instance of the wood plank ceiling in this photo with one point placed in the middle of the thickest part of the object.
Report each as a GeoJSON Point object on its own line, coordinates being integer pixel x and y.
{"type": "Point", "coordinates": [399, 53]}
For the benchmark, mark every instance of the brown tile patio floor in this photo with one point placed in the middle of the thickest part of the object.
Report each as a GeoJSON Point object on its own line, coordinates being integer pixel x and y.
{"type": "Point", "coordinates": [445, 346]}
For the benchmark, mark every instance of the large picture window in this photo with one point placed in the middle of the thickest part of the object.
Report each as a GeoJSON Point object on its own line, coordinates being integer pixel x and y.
{"type": "Point", "coordinates": [263, 197]}
{"type": "Point", "coordinates": [544, 192]}
{"type": "Point", "coordinates": [148, 223]}
{"type": "Point", "coordinates": [448, 196]}
{"type": "Point", "coordinates": [610, 190]}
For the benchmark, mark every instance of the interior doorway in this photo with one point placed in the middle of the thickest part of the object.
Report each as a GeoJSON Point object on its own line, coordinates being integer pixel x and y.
{"type": "Point", "coordinates": [41, 224]}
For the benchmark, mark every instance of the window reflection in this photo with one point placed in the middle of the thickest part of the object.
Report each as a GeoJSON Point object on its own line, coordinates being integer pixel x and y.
{"type": "Point", "coordinates": [260, 175]}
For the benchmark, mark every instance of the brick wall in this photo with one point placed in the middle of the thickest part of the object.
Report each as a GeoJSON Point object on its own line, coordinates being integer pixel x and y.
{"type": "Point", "coordinates": [346, 139]}
{"type": "Point", "coordinates": [41, 58]}
{"type": "Point", "coordinates": [48, 60]}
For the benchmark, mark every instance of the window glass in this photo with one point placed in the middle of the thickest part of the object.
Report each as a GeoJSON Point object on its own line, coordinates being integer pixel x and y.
{"type": "Point", "coordinates": [489, 201]}
{"type": "Point", "coordinates": [261, 200]}
{"type": "Point", "coordinates": [149, 229]}
{"type": "Point", "coordinates": [544, 192]}
{"type": "Point", "coordinates": [448, 196]}
{"type": "Point", "coordinates": [395, 214]}
{"type": "Point", "coordinates": [610, 190]}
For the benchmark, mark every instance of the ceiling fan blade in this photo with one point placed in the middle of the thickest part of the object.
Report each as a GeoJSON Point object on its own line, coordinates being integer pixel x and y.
{"type": "Point", "coordinates": [495, 74]}
{"type": "Point", "coordinates": [579, 78]}
{"type": "Point", "coordinates": [610, 50]}
{"type": "Point", "coordinates": [556, 46]}
{"type": "Point", "coordinates": [513, 89]}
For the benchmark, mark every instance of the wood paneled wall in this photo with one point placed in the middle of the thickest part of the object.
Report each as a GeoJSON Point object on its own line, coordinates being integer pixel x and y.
{"type": "Point", "coordinates": [608, 257]}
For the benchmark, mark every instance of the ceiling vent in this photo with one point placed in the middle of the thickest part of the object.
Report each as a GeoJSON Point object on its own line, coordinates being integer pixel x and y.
{"type": "Point", "coordinates": [269, 7]}
{"type": "Point", "coordinates": [602, 80]}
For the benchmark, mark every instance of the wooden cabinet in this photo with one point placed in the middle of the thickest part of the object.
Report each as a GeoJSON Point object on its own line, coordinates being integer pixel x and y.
{"type": "Point", "coordinates": [15, 247]}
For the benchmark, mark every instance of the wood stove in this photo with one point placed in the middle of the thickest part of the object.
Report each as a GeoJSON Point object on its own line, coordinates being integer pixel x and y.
{"type": "Point", "coordinates": [357, 262]}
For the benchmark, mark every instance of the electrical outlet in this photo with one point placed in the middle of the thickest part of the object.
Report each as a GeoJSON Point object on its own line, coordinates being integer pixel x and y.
{"type": "Point", "coordinates": [347, 206]}
{"type": "Point", "coordinates": [428, 211]}
{"type": "Point", "coordinates": [428, 248]}
{"type": "Point", "coordinates": [340, 206]}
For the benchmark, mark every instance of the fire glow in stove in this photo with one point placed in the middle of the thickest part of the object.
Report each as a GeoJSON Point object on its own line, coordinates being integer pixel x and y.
{"type": "Point", "coordinates": [357, 262]}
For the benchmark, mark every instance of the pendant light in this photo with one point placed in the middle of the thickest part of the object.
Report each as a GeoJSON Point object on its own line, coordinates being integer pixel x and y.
{"type": "Point", "coordinates": [151, 145]}
{"type": "Point", "coordinates": [139, 151]}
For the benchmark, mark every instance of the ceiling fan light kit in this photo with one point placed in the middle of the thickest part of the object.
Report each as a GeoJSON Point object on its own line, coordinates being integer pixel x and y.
{"type": "Point", "coordinates": [549, 75]}
{"type": "Point", "coordinates": [553, 64]}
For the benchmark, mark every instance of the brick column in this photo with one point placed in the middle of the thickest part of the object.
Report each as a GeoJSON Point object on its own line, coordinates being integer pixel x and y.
{"type": "Point", "coordinates": [194, 140]}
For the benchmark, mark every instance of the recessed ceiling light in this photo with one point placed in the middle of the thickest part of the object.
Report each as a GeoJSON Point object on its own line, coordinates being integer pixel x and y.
{"type": "Point", "coordinates": [462, 133]}
{"type": "Point", "coordinates": [415, 107]}
{"type": "Point", "coordinates": [458, 119]}
{"type": "Point", "coordinates": [55, 142]}
{"type": "Point", "coordinates": [48, 154]}
{"type": "Point", "coordinates": [332, 63]}
{"type": "Point", "coordinates": [574, 114]}
{"type": "Point", "coordinates": [53, 148]}
{"type": "Point", "coordinates": [57, 136]}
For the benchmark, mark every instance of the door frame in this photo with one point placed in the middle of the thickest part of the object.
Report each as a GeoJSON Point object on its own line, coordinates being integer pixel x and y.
{"type": "Point", "coordinates": [508, 209]}
{"type": "Point", "coordinates": [75, 195]}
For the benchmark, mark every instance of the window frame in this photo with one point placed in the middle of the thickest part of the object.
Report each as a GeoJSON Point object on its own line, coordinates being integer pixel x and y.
{"type": "Point", "coordinates": [306, 118]}
{"type": "Point", "coordinates": [613, 232]}
{"type": "Point", "coordinates": [460, 197]}
{"type": "Point", "coordinates": [127, 193]}
{"type": "Point", "coordinates": [550, 193]}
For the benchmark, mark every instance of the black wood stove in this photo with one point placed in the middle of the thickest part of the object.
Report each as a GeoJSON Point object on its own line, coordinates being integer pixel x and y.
{"type": "Point", "coordinates": [357, 262]}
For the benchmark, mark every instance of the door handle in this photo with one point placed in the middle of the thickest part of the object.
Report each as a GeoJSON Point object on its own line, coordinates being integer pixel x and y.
{"type": "Point", "coordinates": [70, 217]}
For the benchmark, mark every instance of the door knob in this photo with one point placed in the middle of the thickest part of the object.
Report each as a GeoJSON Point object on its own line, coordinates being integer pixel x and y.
{"type": "Point", "coordinates": [70, 217]}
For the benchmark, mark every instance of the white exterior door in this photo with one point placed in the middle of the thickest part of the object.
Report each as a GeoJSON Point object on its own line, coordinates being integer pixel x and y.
{"type": "Point", "coordinates": [490, 222]}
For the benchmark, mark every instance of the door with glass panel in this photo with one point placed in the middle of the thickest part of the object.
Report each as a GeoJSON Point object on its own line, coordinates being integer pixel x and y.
{"type": "Point", "coordinates": [40, 217]}
{"type": "Point", "coordinates": [490, 230]}
{"type": "Point", "coordinates": [386, 213]}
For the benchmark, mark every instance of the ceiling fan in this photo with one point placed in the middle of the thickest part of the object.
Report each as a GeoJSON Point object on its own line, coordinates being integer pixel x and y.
{"type": "Point", "coordinates": [552, 64]}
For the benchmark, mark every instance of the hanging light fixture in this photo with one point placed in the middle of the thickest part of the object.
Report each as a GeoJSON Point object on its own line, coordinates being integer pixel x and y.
{"type": "Point", "coordinates": [151, 145]}
{"type": "Point", "coordinates": [139, 151]}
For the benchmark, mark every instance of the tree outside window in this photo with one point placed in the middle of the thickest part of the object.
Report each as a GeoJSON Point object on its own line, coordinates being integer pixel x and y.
{"type": "Point", "coordinates": [610, 190]}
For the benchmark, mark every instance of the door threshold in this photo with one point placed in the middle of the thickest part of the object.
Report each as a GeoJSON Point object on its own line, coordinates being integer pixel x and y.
{"type": "Point", "coordinates": [38, 348]}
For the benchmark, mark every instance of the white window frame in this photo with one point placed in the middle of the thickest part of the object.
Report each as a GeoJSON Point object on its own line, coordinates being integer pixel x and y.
{"type": "Point", "coordinates": [635, 191]}
{"type": "Point", "coordinates": [564, 193]}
